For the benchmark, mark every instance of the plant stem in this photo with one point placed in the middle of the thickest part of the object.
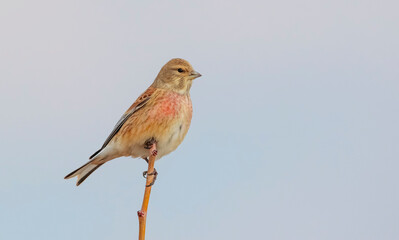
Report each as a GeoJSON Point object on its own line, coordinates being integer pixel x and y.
{"type": "Point", "coordinates": [142, 214]}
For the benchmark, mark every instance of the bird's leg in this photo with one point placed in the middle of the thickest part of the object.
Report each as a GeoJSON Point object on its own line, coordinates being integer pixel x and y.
{"type": "Point", "coordinates": [145, 172]}
{"type": "Point", "coordinates": [146, 159]}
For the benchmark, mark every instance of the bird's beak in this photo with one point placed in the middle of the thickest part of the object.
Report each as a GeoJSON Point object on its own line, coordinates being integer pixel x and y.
{"type": "Point", "coordinates": [195, 74]}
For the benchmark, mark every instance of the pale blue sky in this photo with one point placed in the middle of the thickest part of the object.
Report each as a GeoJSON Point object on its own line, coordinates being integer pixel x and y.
{"type": "Point", "coordinates": [294, 134]}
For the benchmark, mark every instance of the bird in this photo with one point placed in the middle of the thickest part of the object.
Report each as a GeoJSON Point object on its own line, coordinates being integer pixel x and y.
{"type": "Point", "coordinates": [161, 115]}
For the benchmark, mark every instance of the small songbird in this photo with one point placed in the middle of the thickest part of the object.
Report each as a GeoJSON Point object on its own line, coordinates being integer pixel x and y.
{"type": "Point", "coordinates": [161, 115]}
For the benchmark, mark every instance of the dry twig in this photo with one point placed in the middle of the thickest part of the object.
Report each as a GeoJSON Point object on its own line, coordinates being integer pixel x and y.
{"type": "Point", "coordinates": [142, 214]}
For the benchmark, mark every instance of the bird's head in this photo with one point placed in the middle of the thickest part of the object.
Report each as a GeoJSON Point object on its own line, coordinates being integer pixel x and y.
{"type": "Point", "coordinates": [176, 75]}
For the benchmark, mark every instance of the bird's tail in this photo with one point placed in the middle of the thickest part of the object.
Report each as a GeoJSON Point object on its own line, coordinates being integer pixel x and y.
{"type": "Point", "coordinates": [83, 172]}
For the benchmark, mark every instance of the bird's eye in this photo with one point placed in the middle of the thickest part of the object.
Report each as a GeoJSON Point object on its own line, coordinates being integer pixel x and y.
{"type": "Point", "coordinates": [180, 70]}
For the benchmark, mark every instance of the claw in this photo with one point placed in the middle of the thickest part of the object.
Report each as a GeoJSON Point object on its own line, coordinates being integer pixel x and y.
{"type": "Point", "coordinates": [148, 144]}
{"type": "Point", "coordinates": [146, 174]}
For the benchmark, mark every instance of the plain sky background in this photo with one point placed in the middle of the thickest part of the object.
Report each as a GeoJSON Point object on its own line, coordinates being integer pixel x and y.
{"type": "Point", "coordinates": [294, 134]}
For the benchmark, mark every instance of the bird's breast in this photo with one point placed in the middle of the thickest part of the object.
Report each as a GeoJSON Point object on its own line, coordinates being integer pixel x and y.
{"type": "Point", "coordinates": [166, 117]}
{"type": "Point", "coordinates": [174, 119]}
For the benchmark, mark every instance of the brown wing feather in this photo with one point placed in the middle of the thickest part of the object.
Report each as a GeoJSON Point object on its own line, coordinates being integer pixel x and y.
{"type": "Point", "coordinates": [138, 104]}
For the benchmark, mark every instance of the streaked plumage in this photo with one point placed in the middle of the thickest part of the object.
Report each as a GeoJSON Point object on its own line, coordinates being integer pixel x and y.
{"type": "Point", "coordinates": [162, 112]}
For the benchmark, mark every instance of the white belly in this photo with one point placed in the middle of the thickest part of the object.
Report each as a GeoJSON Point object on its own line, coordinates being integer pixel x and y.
{"type": "Point", "coordinates": [166, 143]}
{"type": "Point", "coordinates": [172, 140]}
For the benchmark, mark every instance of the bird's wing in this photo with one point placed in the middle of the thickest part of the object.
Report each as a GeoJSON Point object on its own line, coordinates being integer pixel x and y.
{"type": "Point", "coordinates": [138, 104]}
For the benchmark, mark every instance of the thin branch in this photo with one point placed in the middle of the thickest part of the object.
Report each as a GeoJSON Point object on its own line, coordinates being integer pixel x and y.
{"type": "Point", "coordinates": [142, 214]}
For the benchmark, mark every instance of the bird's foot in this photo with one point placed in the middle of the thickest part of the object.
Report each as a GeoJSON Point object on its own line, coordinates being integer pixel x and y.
{"type": "Point", "coordinates": [149, 142]}
{"type": "Point", "coordinates": [154, 173]}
